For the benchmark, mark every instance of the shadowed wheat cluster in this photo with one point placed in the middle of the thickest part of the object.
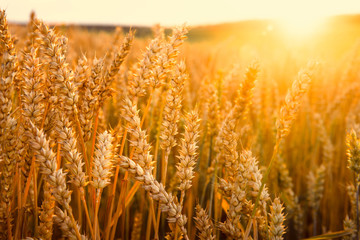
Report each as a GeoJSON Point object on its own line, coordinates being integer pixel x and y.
{"type": "Point", "coordinates": [108, 136]}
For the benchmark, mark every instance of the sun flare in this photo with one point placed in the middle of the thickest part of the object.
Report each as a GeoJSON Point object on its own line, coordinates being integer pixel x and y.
{"type": "Point", "coordinates": [301, 25]}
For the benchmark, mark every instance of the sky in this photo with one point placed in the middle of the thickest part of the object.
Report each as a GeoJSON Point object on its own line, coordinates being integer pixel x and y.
{"type": "Point", "coordinates": [170, 12]}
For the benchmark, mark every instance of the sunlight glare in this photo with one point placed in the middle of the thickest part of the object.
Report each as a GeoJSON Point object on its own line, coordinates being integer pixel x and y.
{"type": "Point", "coordinates": [301, 25]}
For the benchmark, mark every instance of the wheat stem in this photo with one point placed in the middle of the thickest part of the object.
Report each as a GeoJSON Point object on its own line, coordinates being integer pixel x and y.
{"type": "Point", "coordinates": [93, 141]}
{"type": "Point", "coordinates": [35, 203]}
{"type": "Point", "coordinates": [97, 205]}
{"type": "Point", "coordinates": [83, 200]}
{"type": "Point", "coordinates": [82, 143]}
{"type": "Point", "coordinates": [112, 196]}
{"type": "Point", "coordinates": [357, 211]}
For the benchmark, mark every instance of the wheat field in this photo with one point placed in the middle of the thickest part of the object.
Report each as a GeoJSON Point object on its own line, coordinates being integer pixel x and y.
{"type": "Point", "coordinates": [106, 135]}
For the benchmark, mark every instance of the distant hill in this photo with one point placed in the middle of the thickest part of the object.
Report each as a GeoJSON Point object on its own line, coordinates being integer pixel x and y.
{"type": "Point", "coordinates": [241, 29]}
{"type": "Point", "coordinates": [254, 27]}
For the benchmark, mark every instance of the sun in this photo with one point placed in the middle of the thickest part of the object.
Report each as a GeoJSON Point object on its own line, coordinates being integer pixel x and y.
{"type": "Point", "coordinates": [300, 26]}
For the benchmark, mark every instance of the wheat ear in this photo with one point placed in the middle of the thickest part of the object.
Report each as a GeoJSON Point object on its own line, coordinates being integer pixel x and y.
{"type": "Point", "coordinates": [157, 192]}
{"type": "Point", "coordinates": [48, 166]}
